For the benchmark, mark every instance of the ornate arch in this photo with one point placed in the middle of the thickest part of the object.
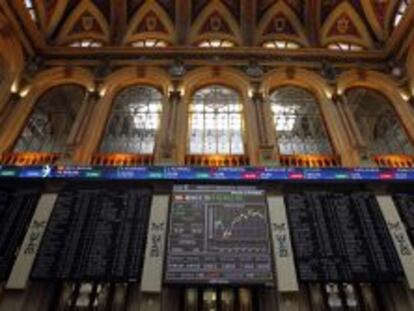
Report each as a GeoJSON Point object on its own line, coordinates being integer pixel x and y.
{"type": "Point", "coordinates": [12, 56]}
{"type": "Point", "coordinates": [149, 22]}
{"type": "Point", "coordinates": [114, 83]}
{"type": "Point", "coordinates": [120, 79]}
{"type": "Point", "coordinates": [385, 86]}
{"type": "Point", "coordinates": [41, 83]}
{"type": "Point", "coordinates": [215, 22]}
{"type": "Point", "coordinates": [372, 80]}
{"type": "Point", "coordinates": [297, 77]}
{"type": "Point", "coordinates": [316, 85]}
{"type": "Point", "coordinates": [345, 25]}
{"type": "Point", "coordinates": [229, 77]}
{"type": "Point", "coordinates": [291, 29]}
{"type": "Point", "coordinates": [86, 21]}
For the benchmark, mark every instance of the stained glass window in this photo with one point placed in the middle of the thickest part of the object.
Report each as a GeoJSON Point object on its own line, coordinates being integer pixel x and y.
{"type": "Point", "coordinates": [51, 120]}
{"type": "Point", "coordinates": [134, 121]}
{"type": "Point", "coordinates": [298, 122]}
{"type": "Point", "coordinates": [378, 123]}
{"type": "Point", "coordinates": [216, 122]}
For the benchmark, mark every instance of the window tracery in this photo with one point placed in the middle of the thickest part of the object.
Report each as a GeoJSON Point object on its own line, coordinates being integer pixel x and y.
{"type": "Point", "coordinates": [216, 122]}
{"type": "Point", "coordinates": [298, 122]}
{"type": "Point", "coordinates": [51, 120]}
{"type": "Point", "coordinates": [378, 123]}
{"type": "Point", "coordinates": [134, 121]}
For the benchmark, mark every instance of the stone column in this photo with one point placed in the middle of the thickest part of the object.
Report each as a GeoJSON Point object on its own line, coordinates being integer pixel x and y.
{"type": "Point", "coordinates": [78, 131]}
{"type": "Point", "coordinates": [406, 115]}
{"type": "Point", "coordinates": [267, 154]}
{"type": "Point", "coordinates": [166, 154]}
{"type": "Point", "coordinates": [7, 109]}
{"type": "Point", "coordinates": [359, 148]}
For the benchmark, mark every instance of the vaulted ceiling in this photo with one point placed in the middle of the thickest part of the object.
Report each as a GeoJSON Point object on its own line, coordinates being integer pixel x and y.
{"type": "Point", "coordinates": [369, 25]}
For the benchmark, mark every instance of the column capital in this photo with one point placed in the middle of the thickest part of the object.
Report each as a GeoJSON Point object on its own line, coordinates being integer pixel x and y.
{"type": "Point", "coordinates": [94, 95]}
{"type": "Point", "coordinates": [411, 101]}
{"type": "Point", "coordinates": [174, 96]}
{"type": "Point", "coordinates": [15, 97]}
{"type": "Point", "coordinates": [338, 98]}
{"type": "Point", "coordinates": [258, 98]}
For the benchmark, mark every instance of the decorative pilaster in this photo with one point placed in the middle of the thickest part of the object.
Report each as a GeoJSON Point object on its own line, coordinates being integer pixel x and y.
{"type": "Point", "coordinates": [359, 148]}
{"type": "Point", "coordinates": [78, 131]}
{"type": "Point", "coordinates": [11, 121]}
{"type": "Point", "coordinates": [167, 152]}
{"type": "Point", "coordinates": [7, 109]}
{"type": "Point", "coordinates": [267, 154]}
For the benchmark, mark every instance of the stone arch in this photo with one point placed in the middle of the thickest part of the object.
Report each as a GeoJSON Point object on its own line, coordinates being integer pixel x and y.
{"type": "Point", "coordinates": [228, 77]}
{"type": "Point", "coordinates": [41, 83]}
{"type": "Point", "coordinates": [11, 54]}
{"type": "Point", "coordinates": [384, 85]}
{"type": "Point", "coordinates": [315, 84]}
{"type": "Point", "coordinates": [114, 83]}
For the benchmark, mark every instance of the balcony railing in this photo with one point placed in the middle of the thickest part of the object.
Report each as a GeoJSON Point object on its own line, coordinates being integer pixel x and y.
{"type": "Point", "coordinates": [29, 158]}
{"type": "Point", "coordinates": [394, 160]}
{"type": "Point", "coordinates": [122, 159]}
{"type": "Point", "coordinates": [217, 160]}
{"type": "Point", "coordinates": [310, 160]}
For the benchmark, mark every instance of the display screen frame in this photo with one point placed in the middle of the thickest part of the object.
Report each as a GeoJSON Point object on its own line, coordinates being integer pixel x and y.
{"type": "Point", "coordinates": [221, 283]}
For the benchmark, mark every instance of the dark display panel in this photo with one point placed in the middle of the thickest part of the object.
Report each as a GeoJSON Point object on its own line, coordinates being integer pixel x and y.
{"type": "Point", "coordinates": [405, 206]}
{"type": "Point", "coordinates": [218, 235]}
{"type": "Point", "coordinates": [16, 211]}
{"type": "Point", "coordinates": [96, 235]}
{"type": "Point", "coordinates": [341, 238]}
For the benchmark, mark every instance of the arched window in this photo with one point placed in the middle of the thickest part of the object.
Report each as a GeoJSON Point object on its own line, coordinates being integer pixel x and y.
{"type": "Point", "coordinates": [134, 121]}
{"type": "Point", "coordinates": [378, 123]}
{"type": "Point", "coordinates": [51, 120]}
{"type": "Point", "coordinates": [298, 122]}
{"type": "Point", "coordinates": [216, 43]}
{"type": "Point", "coordinates": [86, 43]}
{"type": "Point", "coordinates": [216, 122]}
{"type": "Point", "coordinates": [345, 46]}
{"type": "Point", "coordinates": [150, 43]}
{"type": "Point", "coordinates": [281, 44]}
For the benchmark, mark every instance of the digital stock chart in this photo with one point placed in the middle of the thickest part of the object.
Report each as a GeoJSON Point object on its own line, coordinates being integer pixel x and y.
{"type": "Point", "coordinates": [218, 235]}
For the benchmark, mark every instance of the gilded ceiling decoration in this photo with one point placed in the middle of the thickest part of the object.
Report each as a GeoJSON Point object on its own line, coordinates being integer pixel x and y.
{"type": "Point", "coordinates": [305, 23]}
